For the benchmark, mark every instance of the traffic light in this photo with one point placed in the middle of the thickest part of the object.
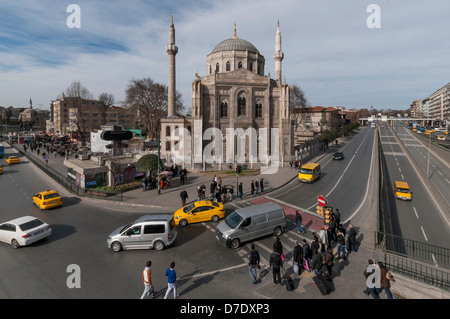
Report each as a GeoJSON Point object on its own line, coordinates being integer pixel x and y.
{"type": "Point", "coordinates": [319, 210]}
{"type": "Point", "coordinates": [327, 217]}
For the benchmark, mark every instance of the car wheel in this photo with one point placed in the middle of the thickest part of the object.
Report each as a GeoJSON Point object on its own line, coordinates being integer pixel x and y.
{"type": "Point", "coordinates": [15, 244]}
{"type": "Point", "coordinates": [116, 246]}
{"type": "Point", "coordinates": [159, 245]}
{"type": "Point", "coordinates": [183, 222]}
{"type": "Point", "coordinates": [235, 243]}
{"type": "Point", "coordinates": [278, 231]}
{"type": "Point", "coordinates": [215, 218]}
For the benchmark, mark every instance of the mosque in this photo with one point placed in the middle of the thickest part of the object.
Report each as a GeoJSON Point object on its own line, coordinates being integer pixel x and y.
{"type": "Point", "coordinates": [240, 116]}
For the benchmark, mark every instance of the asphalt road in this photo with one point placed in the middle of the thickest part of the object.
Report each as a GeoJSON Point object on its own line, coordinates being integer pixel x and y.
{"type": "Point", "coordinates": [422, 218]}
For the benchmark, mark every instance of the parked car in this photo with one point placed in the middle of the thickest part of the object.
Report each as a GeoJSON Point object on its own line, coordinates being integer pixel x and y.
{"type": "Point", "coordinates": [23, 231]}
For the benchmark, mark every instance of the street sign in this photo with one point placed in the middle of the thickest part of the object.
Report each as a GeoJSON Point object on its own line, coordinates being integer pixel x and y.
{"type": "Point", "coordinates": [322, 201]}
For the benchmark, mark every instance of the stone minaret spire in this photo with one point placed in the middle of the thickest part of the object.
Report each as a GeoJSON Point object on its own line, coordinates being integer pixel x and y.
{"type": "Point", "coordinates": [172, 50]}
{"type": "Point", "coordinates": [278, 55]}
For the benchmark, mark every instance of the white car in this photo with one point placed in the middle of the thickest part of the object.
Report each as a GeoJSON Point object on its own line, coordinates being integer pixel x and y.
{"type": "Point", "coordinates": [23, 231]}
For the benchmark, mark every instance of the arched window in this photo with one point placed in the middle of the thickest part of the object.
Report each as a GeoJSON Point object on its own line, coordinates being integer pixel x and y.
{"type": "Point", "coordinates": [167, 130]}
{"type": "Point", "coordinates": [240, 65]}
{"type": "Point", "coordinates": [250, 66]}
{"type": "Point", "coordinates": [241, 104]}
{"type": "Point", "coordinates": [176, 131]}
{"type": "Point", "coordinates": [228, 66]}
{"type": "Point", "coordinates": [258, 109]}
{"type": "Point", "coordinates": [167, 146]}
{"type": "Point", "coordinates": [217, 67]}
{"type": "Point", "coordinates": [224, 109]}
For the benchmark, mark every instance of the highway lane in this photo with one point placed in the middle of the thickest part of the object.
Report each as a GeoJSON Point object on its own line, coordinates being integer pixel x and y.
{"type": "Point", "coordinates": [419, 219]}
{"type": "Point", "coordinates": [79, 237]}
{"type": "Point", "coordinates": [436, 168]}
{"type": "Point", "coordinates": [343, 183]}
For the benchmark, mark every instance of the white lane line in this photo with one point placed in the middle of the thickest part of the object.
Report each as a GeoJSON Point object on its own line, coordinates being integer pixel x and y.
{"type": "Point", "coordinates": [415, 212]}
{"type": "Point", "coordinates": [426, 239]}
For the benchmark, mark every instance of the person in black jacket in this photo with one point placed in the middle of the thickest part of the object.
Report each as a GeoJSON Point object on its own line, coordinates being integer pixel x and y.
{"type": "Point", "coordinates": [351, 239]}
{"type": "Point", "coordinates": [341, 244]}
{"type": "Point", "coordinates": [253, 263]}
{"type": "Point", "coordinates": [276, 265]}
{"type": "Point", "coordinates": [298, 257]}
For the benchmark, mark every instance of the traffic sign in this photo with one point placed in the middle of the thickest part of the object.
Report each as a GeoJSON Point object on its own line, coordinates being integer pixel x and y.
{"type": "Point", "coordinates": [322, 201]}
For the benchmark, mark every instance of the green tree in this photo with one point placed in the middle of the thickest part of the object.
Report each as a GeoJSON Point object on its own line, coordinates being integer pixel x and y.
{"type": "Point", "coordinates": [148, 163]}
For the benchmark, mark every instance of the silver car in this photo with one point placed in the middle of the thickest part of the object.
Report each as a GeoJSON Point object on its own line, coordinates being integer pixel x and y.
{"type": "Point", "coordinates": [150, 231]}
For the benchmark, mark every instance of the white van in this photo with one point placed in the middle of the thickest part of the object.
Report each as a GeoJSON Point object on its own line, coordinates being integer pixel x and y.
{"type": "Point", "coordinates": [150, 231]}
{"type": "Point", "coordinates": [251, 222]}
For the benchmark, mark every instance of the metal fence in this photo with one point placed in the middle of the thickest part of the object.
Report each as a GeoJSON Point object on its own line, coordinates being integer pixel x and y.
{"type": "Point", "coordinates": [418, 271]}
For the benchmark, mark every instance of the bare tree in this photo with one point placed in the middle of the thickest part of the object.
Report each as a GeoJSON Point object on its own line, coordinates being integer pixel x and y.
{"type": "Point", "coordinates": [148, 100]}
{"type": "Point", "coordinates": [297, 101]}
{"type": "Point", "coordinates": [106, 101]}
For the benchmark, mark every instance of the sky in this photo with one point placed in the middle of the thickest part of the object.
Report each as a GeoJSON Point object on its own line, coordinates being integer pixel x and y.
{"type": "Point", "coordinates": [331, 49]}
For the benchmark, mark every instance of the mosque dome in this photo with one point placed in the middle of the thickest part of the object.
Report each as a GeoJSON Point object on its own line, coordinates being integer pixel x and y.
{"type": "Point", "coordinates": [235, 44]}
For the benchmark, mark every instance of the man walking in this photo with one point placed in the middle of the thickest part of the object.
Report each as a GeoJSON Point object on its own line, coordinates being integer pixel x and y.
{"type": "Point", "coordinates": [147, 279]}
{"type": "Point", "coordinates": [341, 244]}
{"type": "Point", "coordinates": [276, 264]}
{"type": "Point", "coordinates": [253, 263]}
{"type": "Point", "coordinates": [351, 238]}
{"type": "Point", "coordinates": [171, 281]}
{"type": "Point", "coordinates": [298, 222]}
{"type": "Point", "coordinates": [183, 196]}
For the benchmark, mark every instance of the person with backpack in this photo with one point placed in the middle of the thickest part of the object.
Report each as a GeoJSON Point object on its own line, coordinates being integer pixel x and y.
{"type": "Point", "coordinates": [253, 263]}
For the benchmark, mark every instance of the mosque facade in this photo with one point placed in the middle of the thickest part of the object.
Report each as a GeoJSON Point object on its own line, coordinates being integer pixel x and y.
{"type": "Point", "coordinates": [240, 115]}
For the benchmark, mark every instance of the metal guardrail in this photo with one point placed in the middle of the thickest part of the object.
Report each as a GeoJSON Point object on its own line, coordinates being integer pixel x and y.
{"type": "Point", "coordinates": [424, 252]}
{"type": "Point", "coordinates": [419, 272]}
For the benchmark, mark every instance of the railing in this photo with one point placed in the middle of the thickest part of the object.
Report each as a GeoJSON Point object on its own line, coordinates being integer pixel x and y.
{"type": "Point", "coordinates": [431, 254]}
{"type": "Point", "coordinates": [417, 271]}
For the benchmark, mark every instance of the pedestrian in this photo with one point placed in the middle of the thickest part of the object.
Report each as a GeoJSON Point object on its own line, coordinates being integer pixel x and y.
{"type": "Point", "coordinates": [199, 193]}
{"type": "Point", "coordinates": [224, 194]}
{"type": "Point", "coordinates": [203, 187]}
{"type": "Point", "coordinates": [291, 163]}
{"type": "Point", "coordinates": [147, 279]}
{"type": "Point", "coordinates": [385, 279]}
{"type": "Point", "coordinates": [322, 239]}
{"type": "Point", "coordinates": [231, 193]}
{"type": "Point", "coordinates": [316, 262]}
{"type": "Point", "coordinates": [337, 216]}
{"type": "Point", "coordinates": [253, 263]}
{"type": "Point", "coordinates": [277, 245]}
{"type": "Point", "coordinates": [307, 254]}
{"type": "Point", "coordinates": [298, 258]}
{"type": "Point", "coordinates": [298, 222]}
{"type": "Point", "coordinates": [257, 186]}
{"type": "Point", "coordinates": [329, 262]}
{"type": "Point", "coordinates": [315, 242]}
{"type": "Point", "coordinates": [171, 281]}
{"type": "Point", "coordinates": [341, 244]}
{"type": "Point", "coordinates": [240, 190]}
{"type": "Point", "coordinates": [252, 187]}
{"type": "Point", "coordinates": [181, 178]}
{"type": "Point", "coordinates": [351, 238]}
{"type": "Point", "coordinates": [276, 264]}
{"type": "Point", "coordinates": [373, 283]}
{"type": "Point", "coordinates": [261, 185]}
{"type": "Point", "coordinates": [183, 196]}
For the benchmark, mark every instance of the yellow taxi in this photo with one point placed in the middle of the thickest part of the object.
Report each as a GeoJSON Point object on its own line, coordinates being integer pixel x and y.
{"type": "Point", "coordinates": [13, 160]}
{"type": "Point", "coordinates": [47, 199]}
{"type": "Point", "coordinates": [441, 137]}
{"type": "Point", "coordinates": [402, 191]}
{"type": "Point", "coordinates": [199, 211]}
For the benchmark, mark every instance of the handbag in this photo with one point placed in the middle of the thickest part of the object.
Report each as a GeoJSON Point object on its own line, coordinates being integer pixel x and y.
{"type": "Point", "coordinates": [282, 257]}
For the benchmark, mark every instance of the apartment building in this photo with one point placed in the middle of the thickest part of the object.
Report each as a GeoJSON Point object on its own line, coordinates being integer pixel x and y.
{"type": "Point", "coordinates": [439, 103]}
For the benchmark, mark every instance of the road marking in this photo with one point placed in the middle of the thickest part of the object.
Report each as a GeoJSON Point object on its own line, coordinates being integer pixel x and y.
{"type": "Point", "coordinates": [215, 271]}
{"type": "Point", "coordinates": [415, 211]}
{"type": "Point", "coordinates": [426, 239]}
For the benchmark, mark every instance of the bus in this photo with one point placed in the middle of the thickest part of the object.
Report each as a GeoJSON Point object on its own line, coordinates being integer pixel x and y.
{"type": "Point", "coordinates": [2, 151]}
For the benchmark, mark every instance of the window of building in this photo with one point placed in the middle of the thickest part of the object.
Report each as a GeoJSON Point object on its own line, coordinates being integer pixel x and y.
{"type": "Point", "coordinates": [240, 65]}
{"type": "Point", "coordinates": [228, 66]}
{"type": "Point", "coordinates": [241, 104]}
{"type": "Point", "coordinates": [167, 146]}
{"type": "Point", "coordinates": [224, 109]}
{"type": "Point", "coordinates": [258, 109]}
{"type": "Point", "coordinates": [217, 67]}
{"type": "Point", "coordinates": [167, 130]}
{"type": "Point", "coordinates": [250, 66]}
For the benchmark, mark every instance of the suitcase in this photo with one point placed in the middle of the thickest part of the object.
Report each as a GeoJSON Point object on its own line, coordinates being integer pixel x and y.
{"type": "Point", "coordinates": [322, 284]}
{"type": "Point", "coordinates": [289, 283]}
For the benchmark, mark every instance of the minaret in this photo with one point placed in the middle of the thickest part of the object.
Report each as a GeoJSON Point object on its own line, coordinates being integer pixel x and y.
{"type": "Point", "coordinates": [278, 55]}
{"type": "Point", "coordinates": [31, 104]}
{"type": "Point", "coordinates": [172, 50]}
